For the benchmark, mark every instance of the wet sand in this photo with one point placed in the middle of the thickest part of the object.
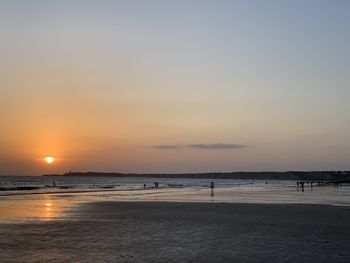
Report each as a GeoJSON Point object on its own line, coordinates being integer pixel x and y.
{"type": "Point", "coordinates": [182, 232]}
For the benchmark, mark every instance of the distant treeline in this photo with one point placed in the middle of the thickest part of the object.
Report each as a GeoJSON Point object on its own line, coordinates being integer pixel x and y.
{"type": "Point", "coordinates": [290, 175]}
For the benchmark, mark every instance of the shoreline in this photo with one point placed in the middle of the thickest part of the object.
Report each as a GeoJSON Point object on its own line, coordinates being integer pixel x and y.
{"type": "Point", "coordinates": [325, 195]}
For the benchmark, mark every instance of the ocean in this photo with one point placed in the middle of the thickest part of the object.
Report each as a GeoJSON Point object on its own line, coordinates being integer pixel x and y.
{"type": "Point", "coordinates": [88, 189]}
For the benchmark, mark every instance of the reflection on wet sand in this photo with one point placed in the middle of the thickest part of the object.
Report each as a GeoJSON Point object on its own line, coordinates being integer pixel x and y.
{"type": "Point", "coordinates": [44, 207]}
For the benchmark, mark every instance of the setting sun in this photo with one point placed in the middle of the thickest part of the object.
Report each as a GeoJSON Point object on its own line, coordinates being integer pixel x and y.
{"type": "Point", "coordinates": [49, 159]}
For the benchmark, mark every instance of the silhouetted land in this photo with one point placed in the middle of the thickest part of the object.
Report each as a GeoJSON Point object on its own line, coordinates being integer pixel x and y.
{"type": "Point", "coordinates": [290, 175]}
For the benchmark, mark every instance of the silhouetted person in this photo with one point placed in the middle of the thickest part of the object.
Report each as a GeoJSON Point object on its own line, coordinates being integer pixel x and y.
{"type": "Point", "coordinates": [212, 188]}
{"type": "Point", "coordinates": [144, 185]}
{"type": "Point", "coordinates": [54, 184]}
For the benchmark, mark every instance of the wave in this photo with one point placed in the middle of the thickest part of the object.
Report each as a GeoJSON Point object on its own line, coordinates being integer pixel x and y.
{"type": "Point", "coordinates": [20, 188]}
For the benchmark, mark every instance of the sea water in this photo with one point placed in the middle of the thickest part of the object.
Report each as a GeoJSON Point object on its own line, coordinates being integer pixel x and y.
{"type": "Point", "coordinates": [52, 197]}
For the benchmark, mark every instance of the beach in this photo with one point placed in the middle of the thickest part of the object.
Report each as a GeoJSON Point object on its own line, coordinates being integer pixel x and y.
{"type": "Point", "coordinates": [182, 232]}
{"type": "Point", "coordinates": [174, 131]}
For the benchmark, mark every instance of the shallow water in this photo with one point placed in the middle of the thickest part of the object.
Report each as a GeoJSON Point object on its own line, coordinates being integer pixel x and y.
{"type": "Point", "coordinates": [10, 185]}
{"type": "Point", "coordinates": [55, 203]}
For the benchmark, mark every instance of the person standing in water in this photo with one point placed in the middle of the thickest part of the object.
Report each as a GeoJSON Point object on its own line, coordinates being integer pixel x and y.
{"type": "Point", "coordinates": [212, 188]}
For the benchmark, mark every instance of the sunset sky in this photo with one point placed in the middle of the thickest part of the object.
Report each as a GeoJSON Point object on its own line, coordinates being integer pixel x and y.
{"type": "Point", "coordinates": [174, 86]}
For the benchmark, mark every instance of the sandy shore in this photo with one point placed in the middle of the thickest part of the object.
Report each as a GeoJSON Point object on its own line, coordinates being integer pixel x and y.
{"type": "Point", "coordinates": [183, 232]}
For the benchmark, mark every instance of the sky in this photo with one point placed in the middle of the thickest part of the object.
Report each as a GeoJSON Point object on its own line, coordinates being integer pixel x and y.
{"type": "Point", "coordinates": [174, 86]}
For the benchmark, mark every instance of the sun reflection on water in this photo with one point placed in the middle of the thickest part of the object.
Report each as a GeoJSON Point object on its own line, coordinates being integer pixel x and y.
{"type": "Point", "coordinates": [43, 207]}
{"type": "Point", "coordinates": [49, 211]}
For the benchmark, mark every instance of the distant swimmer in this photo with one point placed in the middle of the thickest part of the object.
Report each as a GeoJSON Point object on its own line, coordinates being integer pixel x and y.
{"type": "Point", "coordinates": [212, 188]}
